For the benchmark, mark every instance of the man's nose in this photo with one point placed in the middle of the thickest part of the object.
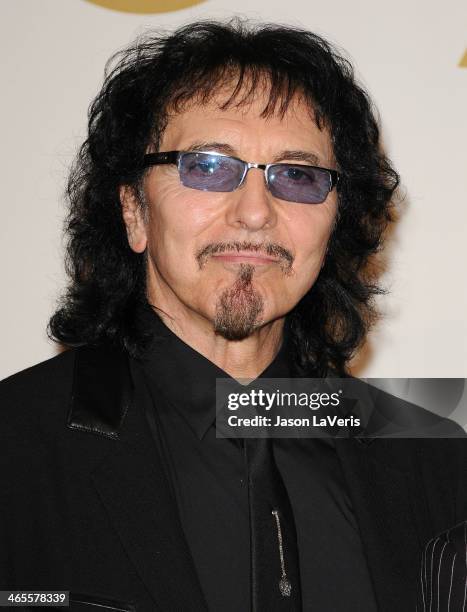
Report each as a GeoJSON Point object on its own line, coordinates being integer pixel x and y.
{"type": "Point", "coordinates": [252, 205]}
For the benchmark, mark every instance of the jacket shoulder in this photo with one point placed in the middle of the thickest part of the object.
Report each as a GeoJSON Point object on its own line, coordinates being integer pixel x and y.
{"type": "Point", "coordinates": [43, 375]}
{"type": "Point", "coordinates": [38, 388]}
{"type": "Point", "coordinates": [86, 388]}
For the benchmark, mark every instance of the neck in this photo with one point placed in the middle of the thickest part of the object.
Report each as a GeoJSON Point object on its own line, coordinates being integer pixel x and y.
{"type": "Point", "coordinates": [245, 358]}
{"type": "Point", "coordinates": [240, 359]}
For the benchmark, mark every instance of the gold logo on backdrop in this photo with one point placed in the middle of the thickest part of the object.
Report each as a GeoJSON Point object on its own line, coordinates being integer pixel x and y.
{"type": "Point", "coordinates": [463, 62]}
{"type": "Point", "coordinates": [146, 6]}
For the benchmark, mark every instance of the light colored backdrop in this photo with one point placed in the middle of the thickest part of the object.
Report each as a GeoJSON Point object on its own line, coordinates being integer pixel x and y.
{"type": "Point", "coordinates": [408, 55]}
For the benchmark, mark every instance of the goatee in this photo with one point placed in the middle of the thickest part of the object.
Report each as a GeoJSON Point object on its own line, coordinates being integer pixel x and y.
{"type": "Point", "coordinates": [239, 307]}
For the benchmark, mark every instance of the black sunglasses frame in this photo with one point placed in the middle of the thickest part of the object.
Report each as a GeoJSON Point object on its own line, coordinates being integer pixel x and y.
{"type": "Point", "coordinates": [174, 157]}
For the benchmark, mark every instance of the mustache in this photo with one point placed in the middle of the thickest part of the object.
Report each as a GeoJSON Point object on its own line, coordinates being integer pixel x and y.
{"type": "Point", "coordinates": [269, 248]}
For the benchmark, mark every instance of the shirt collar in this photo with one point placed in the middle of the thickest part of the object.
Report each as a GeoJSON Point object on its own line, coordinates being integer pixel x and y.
{"type": "Point", "coordinates": [187, 379]}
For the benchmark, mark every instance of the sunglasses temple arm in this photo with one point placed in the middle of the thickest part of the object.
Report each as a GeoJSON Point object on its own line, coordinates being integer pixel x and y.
{"type": "Point", "coordinates": [153, 159]}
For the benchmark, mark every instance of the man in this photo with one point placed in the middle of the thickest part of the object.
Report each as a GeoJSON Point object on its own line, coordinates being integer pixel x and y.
{"type": "Point", "coordinates": [223, 208]}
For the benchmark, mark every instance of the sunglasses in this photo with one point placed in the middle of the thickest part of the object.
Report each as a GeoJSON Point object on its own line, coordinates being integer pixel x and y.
{"type": "Point", "coordinates": [211, 171]}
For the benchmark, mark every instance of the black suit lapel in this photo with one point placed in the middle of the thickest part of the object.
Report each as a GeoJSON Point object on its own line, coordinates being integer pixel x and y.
{"type": "Point", "coordinates": [389, 506]}
{"type": "Point", "coordinates": [130, 480]}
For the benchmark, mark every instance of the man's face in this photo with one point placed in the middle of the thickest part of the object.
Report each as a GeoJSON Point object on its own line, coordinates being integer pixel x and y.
{"type": "Point", "coordinates": [235, 260]}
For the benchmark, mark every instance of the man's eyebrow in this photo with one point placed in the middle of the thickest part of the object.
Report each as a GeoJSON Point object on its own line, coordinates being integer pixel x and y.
{"type": "Point", "coordinates": [297, 155]}
{"type": "Point", "coordinates": [220, 147]}
{"type": "Point", "coordinates": [289, 154]}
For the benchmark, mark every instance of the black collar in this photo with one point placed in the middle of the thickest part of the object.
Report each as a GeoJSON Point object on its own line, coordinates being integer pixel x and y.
{"type": "Point", "coordinates": [187, 379]}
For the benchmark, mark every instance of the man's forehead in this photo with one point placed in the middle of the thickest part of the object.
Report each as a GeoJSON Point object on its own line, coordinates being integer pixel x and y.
{"type": "Point", "coordinates": [293, 134]}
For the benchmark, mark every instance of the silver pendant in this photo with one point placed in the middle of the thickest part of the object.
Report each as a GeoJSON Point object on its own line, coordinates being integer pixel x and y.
{"type": "Point", "coordinates": [285, 587]}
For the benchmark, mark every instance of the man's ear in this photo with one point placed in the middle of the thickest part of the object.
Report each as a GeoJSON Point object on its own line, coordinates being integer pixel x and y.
{"type": "Point", "coordinates": [133, 219]}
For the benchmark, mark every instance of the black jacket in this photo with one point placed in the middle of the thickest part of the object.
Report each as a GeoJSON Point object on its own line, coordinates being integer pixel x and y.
{"type": "Point", "coordinates": [85, 507]}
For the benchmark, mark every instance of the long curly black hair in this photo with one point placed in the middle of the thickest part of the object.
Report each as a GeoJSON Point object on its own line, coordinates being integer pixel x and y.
{"type": "Point", "coordinates": [162, 71]}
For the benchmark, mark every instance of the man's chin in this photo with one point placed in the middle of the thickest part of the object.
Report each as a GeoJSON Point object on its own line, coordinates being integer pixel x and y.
{"type": "Point", "coordinates": [239, 307]}
{"type": "Point", "coordinates": [238, 313]}
{"type": "Point", "coordinates": [235, 330]}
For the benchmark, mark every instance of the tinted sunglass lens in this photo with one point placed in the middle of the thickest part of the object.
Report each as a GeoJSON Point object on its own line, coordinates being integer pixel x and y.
{"type": "Point", "coordinates": [210, 172]}
{"type": "Point", "coordinates": [299, 183]}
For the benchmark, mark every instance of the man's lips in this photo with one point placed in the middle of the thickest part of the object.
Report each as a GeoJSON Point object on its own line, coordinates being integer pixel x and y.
{"type": "Point", "coordinates": [246, 257]}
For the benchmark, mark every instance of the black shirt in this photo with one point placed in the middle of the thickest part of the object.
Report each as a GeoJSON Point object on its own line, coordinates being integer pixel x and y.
{"type": "Point", "coordinates": [208, 479]}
